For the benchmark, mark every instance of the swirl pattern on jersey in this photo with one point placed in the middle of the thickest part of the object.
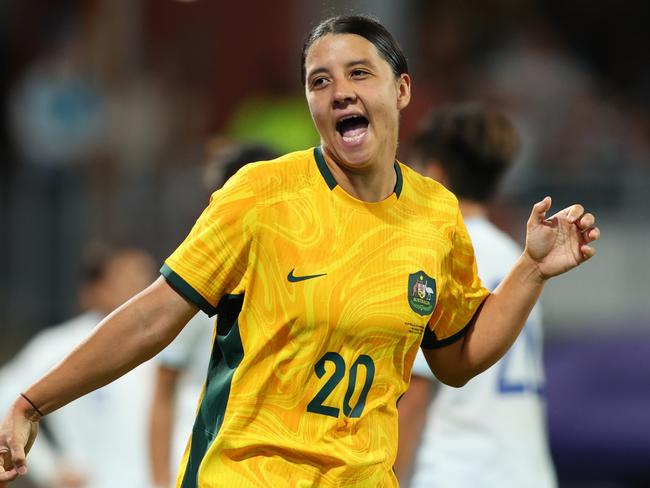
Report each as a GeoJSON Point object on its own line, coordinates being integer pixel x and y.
{"type": "Point", "coordinates": [326, 329]}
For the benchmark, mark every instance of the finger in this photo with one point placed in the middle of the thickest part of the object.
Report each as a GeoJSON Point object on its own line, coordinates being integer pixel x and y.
{"type": "Point", "coordinates": [4, 459]}
{"type": "Point", "coordinates": [7, 476]}
{"type": "Point", "coordinates": [575, 212]}
{"type": "Point", "coordinates": [586, 221]}
{"type": "Point", "coordinates": [587, 252]}
{"type": "Point", "coordinates": [18, 456]}
{"type": "Point", "coordinates": [538, 213]}
{"type": "Point", "coordinates": [592, 234]}
{"type": "Point", "coordinates": [4, 475]}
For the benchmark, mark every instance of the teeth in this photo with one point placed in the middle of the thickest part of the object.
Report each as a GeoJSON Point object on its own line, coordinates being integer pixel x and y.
{"type": "Point", "coordinates": [354, 138]}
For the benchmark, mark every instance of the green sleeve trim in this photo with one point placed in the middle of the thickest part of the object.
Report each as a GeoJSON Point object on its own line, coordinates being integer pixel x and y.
{"type": "Point", "coordinates": [183, 288]}
{"type": "Point", "coordinates": [429, 340]}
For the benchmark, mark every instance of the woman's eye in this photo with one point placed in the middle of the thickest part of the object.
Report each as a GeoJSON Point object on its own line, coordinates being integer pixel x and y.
{"type": "Point", "coordinates": [359, 72]}
{"type": "Point", "coordinates": [318, 82]}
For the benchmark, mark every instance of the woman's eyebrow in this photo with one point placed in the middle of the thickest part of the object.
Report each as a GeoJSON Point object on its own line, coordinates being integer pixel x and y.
{"type": "Point", "coordinates": [356, 62]}
{"type": "Point", "coordinates": [364, 61]}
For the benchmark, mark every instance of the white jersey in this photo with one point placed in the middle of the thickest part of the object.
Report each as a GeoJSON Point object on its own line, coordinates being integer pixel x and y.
{"type": "Point", "coordinates": [189, 353]}
{"type": "Point", "coordinates": [492, 432]}
{"type": "Point", "coordinates": [102, 434]}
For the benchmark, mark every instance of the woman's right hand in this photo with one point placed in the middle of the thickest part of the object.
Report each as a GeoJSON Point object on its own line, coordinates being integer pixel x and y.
{"type": "Point", "coordinates": [17, 434]}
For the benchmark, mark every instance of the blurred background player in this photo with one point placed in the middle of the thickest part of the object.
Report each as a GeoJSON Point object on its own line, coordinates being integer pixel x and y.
{"type": "Point", "coordinates": [89, 442]}
{"type": "Point", "coordinates": [181, 366]}
{"type": "Point", "coordinates": [492, 432]}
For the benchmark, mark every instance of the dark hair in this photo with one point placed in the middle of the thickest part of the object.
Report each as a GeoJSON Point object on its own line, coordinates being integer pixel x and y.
{"type": "Point", "coordinates": [363, 26]}
{"type": "Point", "coordinates": [474, 146]}
{"type": "Point", "coordinates": [244, 154]}
{"type": "Point", "coordinates": [224, 159]}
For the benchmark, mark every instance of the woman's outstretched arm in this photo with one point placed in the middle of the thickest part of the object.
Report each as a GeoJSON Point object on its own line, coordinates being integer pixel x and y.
{"type": "Point", "coordinates": [132, 334]}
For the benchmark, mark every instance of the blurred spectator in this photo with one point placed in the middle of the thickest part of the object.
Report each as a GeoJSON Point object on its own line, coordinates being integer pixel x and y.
{"type": "Point", "coordinates": [57, 109]}
{"type": "Point", "coordinates": [90, 441]}
{"type": "Point", "coordinates": [56, 119]}
{"type": "Point", "coordinates": [182, 366]}
{"type": "Point", "coordinates": [568, 124]}
{"type": "Point", "coordinates": [537, 82]}
{"type": "Point", "coordinates": [224, 158]}
{"type": "Point", "coordinates": [492, 432]}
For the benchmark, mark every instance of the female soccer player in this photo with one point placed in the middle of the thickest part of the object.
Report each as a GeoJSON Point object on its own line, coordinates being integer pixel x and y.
{"type": "Point", "coordinates": [327, 268]}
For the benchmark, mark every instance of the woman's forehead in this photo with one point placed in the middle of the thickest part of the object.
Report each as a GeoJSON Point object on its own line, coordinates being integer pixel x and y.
{"type": "Point", "coordinates": [340, 48]}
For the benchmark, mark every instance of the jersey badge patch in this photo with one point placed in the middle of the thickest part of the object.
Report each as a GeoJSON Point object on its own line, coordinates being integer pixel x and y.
{"type": "Point", "coordinates": [422, 293]}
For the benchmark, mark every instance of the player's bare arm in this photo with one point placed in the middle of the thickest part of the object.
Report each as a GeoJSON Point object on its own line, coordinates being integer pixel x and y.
{"type": "Point", "coordinates": [553, 246]}
{"type": "Point", "coordinates": [133, 333]}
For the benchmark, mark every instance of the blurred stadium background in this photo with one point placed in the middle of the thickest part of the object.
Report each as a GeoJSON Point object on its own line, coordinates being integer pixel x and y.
{"type": "Point", "coordinates": [106, 107]}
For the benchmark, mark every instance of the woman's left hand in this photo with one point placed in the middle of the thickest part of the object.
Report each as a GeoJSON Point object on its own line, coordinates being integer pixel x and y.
{"type": "Point", "coordinates": [561, 242]}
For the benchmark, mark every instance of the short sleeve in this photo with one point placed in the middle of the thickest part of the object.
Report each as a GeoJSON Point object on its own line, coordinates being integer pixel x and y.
{"type": "Point", "coordinates": [212, 260]}
{"type": "Point", "coordinates": [460, 294]}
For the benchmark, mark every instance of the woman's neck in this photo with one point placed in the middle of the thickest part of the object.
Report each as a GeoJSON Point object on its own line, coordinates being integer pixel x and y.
{"type": "Point", "coordinates": [374, 183]}
{"type": "Point", "coordinates": [371, 186]}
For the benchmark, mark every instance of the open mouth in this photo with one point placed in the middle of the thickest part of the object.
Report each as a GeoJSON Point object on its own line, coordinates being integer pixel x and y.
{"type": "Point", "coordinates": [352, 128]}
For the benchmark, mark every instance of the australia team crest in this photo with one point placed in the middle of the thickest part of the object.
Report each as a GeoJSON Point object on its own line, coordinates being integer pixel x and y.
{"type": "Point", "coordinates": [422, 293]}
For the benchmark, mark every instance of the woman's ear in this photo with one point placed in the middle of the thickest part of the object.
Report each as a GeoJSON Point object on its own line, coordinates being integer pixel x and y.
{"type": "Point", "coordinates": [403, 91]}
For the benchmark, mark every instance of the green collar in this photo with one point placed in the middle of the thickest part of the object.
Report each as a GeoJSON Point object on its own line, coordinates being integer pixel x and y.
{"type": "Point", "coordinates": [331, 181]}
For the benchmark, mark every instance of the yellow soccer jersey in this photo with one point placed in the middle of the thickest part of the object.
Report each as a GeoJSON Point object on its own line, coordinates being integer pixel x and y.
{"type": "Point", "coordinates": [322, 302]}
